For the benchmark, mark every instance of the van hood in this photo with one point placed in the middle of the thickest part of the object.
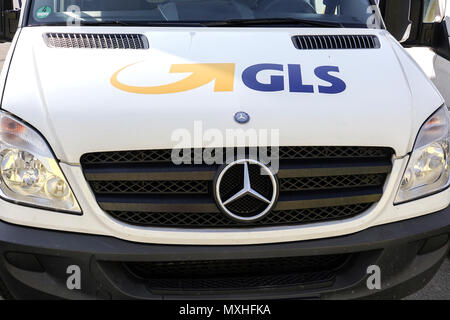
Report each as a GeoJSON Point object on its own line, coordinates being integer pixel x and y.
{"type": "Point", "coordinates": [88, 100]}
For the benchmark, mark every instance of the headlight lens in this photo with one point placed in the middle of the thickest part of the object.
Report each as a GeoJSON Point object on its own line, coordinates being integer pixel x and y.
{"type": "Point", "coordinates": [428, 168]}
{"type": "Point", "coordinates": [29, 173]}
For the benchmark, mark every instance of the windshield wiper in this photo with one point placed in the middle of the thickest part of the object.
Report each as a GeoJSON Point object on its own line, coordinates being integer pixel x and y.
{"type": "Point", "coordinates": [274, 21]}
{"type": "Point", "coordinates": [226, 23]}
{"type": "Point", "coordinates": [141, 23]}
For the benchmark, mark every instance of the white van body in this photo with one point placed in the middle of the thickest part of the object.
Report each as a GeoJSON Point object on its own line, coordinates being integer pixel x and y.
{"type": "Point", "coordinates": [82, 101]}
{"type": "Point", "coordinates": [120, 120]}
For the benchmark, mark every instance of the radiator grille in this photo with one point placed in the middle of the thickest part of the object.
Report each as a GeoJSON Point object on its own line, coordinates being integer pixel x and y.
{"type": "Point", "coordinates": [336, 42]}
{"type": "Point", "coordinates": [96, 41]}
{"type": "Point", "coordinates": [317, 184]}
{"type": "Point", "coordinates": [232, 274]}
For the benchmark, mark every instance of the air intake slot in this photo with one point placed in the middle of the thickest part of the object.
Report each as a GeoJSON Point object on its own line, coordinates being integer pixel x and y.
{"type": "Point", "coordinates": [96, 41]}
{"type": "Point", "coordinates": [336, 42]}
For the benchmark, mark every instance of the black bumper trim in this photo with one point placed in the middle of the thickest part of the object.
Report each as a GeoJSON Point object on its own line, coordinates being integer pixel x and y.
{"type": "Point", "coordinates": [395, 247]}
{"type": "Point", "coordinates": [109, 248]}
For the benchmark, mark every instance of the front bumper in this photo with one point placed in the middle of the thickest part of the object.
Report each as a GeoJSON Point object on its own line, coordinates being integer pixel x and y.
{"type": "Point", "coordinates": [34, 262]}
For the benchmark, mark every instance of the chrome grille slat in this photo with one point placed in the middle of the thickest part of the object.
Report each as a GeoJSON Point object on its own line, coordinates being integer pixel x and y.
{"type": "Point", "coordinates": [323, 42]}
{"type": "Point", "coordinates": [96, 41]}
{"type": "Point", "coordinates": [315, 43]}
{"type": "Point", "coordinates": [366, 42]}
{"type": "Point", "coordinates": [348, 42]}
{"type": "Point", "coordinates": [205, 204]}
{"type": "Point", "coordinates": [340, 43]}
{"type": "Point", "coordinates": [360, 44]}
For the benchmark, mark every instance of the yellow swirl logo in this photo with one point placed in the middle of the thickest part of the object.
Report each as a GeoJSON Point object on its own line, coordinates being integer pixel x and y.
{"type": "Point", "coordinates": [222, 74]}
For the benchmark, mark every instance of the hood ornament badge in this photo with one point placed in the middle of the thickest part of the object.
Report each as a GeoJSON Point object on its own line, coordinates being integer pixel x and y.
{"type": "Point", "coordinates": [246, 190]}
{"type": "Point", "coordinates": [242, 117]}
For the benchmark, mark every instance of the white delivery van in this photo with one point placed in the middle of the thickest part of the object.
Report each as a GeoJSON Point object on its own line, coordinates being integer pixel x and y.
{"type": "Point", "coordinates": [222, 149]}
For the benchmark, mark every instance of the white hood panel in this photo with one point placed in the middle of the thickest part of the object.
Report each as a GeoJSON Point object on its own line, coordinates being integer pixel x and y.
{"type": "Point", "coordinates": [68, 96]}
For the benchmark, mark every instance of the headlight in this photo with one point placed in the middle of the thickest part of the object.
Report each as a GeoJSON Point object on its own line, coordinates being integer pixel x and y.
{"type": "Point", "coordinates": [29, 173]}
{"type": "Point", "coordinates": [428, 168]}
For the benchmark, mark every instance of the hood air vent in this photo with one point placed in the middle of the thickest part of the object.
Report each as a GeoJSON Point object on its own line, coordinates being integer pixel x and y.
{"type": "Point", "coordinates": [96, 41]}
{"type": "Point", "coordinates": [336, 42]}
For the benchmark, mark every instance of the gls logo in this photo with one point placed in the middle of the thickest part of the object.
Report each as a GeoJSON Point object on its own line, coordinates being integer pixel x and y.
{"type": "Point", "coordinates": [296, 84]}
{"type": "Point", "coordinates": [223, 75]}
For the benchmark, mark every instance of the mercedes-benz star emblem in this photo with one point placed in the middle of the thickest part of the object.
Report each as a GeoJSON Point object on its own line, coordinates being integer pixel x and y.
{"type": "Point", "coordinates": [242, 117]}
{"type": "Point", "coordinates": [246, 190]}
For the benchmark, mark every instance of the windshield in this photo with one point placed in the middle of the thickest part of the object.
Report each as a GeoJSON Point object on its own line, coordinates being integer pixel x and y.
{"type": "Point", "coordinates": [357, 13]}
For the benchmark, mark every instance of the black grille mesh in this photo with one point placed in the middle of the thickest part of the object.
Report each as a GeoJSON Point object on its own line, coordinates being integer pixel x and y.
{"type": "Point", "coordinates": [331, 182]}
{"type": "Point", "coordinates": [214, 220]}
{"type": "Point", "coordinates": [150, 187]}
{"type": "Point", "coordinates": [254, 282]}
{"type": "Point", "coordinates": [285, 153]}
{"type": "Point", "coordinates": [247, 206]}
{"type": "Point", "coordinates": [227, 274]}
